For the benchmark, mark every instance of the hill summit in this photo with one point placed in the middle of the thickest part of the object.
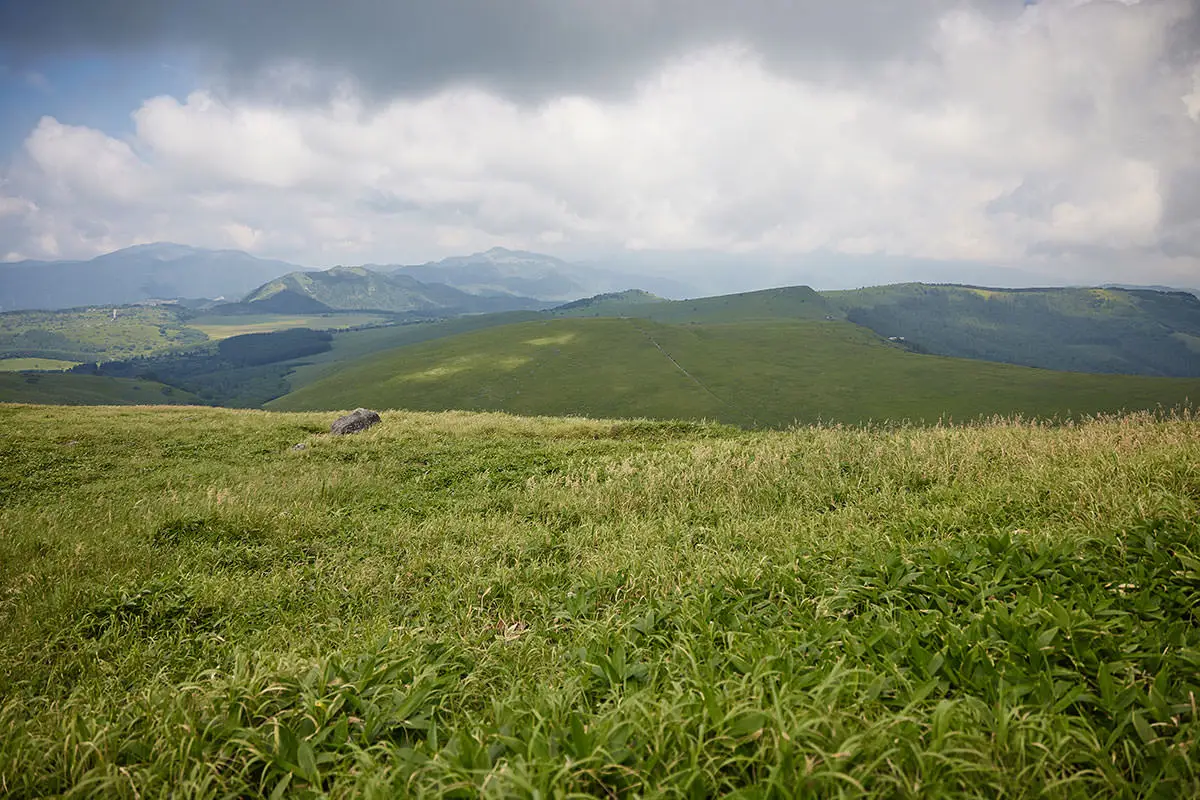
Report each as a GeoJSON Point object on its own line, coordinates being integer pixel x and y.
{"type": "Point", "coordinates": [360, 288]}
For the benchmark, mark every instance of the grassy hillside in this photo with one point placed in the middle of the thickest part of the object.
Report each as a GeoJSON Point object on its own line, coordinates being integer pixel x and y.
{"type": "Point", "coordinates": [609, 304]}
{"type": "Point", "coordinates": [248, 369]}
{"type": "Point", "coordinates": [360, 288]}
{"type": "Point", "coordinates": [92, 334]}
{"type": "Point", "coordinates": [86, 390]}
{"type": "Point", "coordinates": [219, 326]}
{"type": "Point", "coordinates": [463, 605]}
{"type": "Point", "coordinates": [1087, 330]}
{"type": "Point", "coordinates": [753, 374]}
{"type": "Point", "coordinates": [36, 364]}
{"type": "Point", "coordinates": [792, 302]}
{"type": "Point", "coordinates": [351, 345]}
{"type": "Point", "coordinates": [239, 371]}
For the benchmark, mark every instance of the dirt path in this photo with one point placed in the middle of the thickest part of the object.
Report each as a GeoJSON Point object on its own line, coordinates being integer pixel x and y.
{"type": "Point", "coordinates": [690, 376]}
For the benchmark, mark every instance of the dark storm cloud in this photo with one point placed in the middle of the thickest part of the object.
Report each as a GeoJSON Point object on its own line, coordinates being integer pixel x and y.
{"type": "Point", "coordinates": [1180, 226]}
{"type": "Point", "coordinates": [1183, 41]}
{"type": "Point", "coordinates": [522, 47]}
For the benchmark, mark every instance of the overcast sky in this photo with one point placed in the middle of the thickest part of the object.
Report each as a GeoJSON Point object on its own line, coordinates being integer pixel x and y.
{"type": "Point", "coordinates": [1061, 137]}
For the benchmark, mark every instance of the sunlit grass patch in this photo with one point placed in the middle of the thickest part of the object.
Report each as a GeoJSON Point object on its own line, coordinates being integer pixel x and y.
{"type": "Point", "coordinates": [39, 364]}
{"type": "Point", "coordinates": [223, 327]}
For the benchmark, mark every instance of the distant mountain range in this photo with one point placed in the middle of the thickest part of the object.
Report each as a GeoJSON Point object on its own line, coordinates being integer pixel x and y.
{"type": "Point", "coordinates": [172, 271]}
{"type": "Point", "coordinates": [517, 272]}
{"type": "Point", "coordinates": [359, 288]}
{"type": "Point", "coordinates": [133, 275]}
{"type": "Point", "coordinates": [763, 357]}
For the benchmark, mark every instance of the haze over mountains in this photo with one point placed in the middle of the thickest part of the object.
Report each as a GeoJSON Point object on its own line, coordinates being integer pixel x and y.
{"type": "Point", "coordinates": [519, 272]}
{"type": "Point", "coordinates": [169, 271]}
{"type": "Point", "coordinates": [135, 274]}
{"type": "Point", "coordinates": [359, 288]}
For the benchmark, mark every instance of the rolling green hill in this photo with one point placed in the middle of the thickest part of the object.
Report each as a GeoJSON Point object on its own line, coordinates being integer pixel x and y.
{"type": "Point", "coordinates": [737, 362]}
{"type": "Point", "coordinates": [65, 388]}
{"type": "Point", "coordinates": [750, 374]}
{"type": "Point", "coordinates": [94, 334]}
{"type": "Point", "coordinates": [358, 288]}
{"type": "Point", "coordinates": [262, 362]}
{"type": "Point", "coordinates": [350, 345]}
{"type": "Point", "coordinates": [609, 304]}
{"type": "Point", "coordinates": [791, 302]}
{"type": "Point", "coordinates": [1085, 330]}
{"type": "Point", "coordinates": [1111, 330]}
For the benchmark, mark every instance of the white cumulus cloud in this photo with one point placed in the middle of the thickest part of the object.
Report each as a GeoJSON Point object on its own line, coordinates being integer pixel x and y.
{"type": "Point", "coordinates": [1060, 134]}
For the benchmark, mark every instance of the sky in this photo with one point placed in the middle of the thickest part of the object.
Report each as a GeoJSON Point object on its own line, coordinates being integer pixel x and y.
{"type": "Point", "coordinates": [1058, 139]}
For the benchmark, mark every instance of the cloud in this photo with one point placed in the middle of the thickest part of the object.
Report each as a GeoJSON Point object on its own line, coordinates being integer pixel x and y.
{"type": "Point", "coordinates": [525, 48]}
{"type": "Point", "coordinates": [1063, 134]}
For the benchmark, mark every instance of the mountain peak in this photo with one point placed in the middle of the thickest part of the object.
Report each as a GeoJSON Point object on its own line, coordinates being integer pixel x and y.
{"type": "Point", "coordinates": [504, 255]}
{"type": "Point", "coordinates": [159, 251]}
{"type": "Point", "coordinates": [361, 272]}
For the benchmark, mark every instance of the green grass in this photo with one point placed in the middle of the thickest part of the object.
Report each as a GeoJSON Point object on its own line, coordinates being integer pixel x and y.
{"type": "Point", "coordinates": [93, 335]}
{"type": "Point", "coordinates": [86, 390]}
{"type": "Point", "coordinates": [1077, 329]}
{"type": "Point", "coordinates": [788, 303]}
{"type": "Point", "coordinates": [754, 374]}
{"type": "Point", "coordinates": [482, 605]}
{"type": "Point", "coordinates": [1084, 330]}
{"type": "Point", "coordinates": [36, 364]}
{"type": "Point", "coordinates": [222, 327]}
{"type": "Point", "coordinates": [351, 345]}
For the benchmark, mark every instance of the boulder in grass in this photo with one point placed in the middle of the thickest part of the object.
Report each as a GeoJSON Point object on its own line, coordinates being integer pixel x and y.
{"type": "Point", "coordinates": [358, 420]}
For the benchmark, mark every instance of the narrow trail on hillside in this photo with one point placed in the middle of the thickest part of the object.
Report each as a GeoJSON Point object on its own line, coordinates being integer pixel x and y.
{"type": "Point", "coordinates": [690, 376]}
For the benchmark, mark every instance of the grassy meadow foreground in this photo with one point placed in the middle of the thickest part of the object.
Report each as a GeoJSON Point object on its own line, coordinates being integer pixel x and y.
{"type": "Point", "coordinates": [479, 604]}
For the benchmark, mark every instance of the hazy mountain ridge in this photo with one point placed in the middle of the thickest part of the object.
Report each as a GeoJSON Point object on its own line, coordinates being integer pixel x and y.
{"type": "Point", "coordinates": [352, 288]}
{"type": "Point", "coordinates": [500, 271]}
{"type": "Point", "coordinates": [617, 301]}
{"type": "Point", "coordinates": [135, 274]}
{"type": "Point", "coordinates": [173, 271]}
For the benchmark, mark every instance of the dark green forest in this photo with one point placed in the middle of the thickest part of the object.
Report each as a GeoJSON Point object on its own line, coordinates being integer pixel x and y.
{"type": "Point", "coordinates": [240, 372]}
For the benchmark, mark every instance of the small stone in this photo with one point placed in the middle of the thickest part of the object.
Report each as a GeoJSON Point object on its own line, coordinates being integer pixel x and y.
{"type": "Point", "coordinates": [300, 446]}
{"type": "Point", "coordinates": [358, 420]}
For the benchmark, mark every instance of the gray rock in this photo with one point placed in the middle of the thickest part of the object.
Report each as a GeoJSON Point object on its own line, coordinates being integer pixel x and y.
{"type": "Point", "coordinates": [300, 446]}
{"type": "Point", "coordinates": [358, 420]}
